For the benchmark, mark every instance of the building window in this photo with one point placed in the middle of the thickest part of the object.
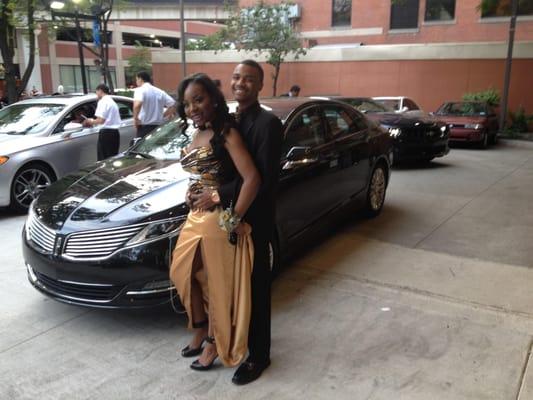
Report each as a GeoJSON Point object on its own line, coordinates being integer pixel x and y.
{"type": "Point", "coordinates": [502, 8]}
{"type": "Point", "coordinates": [440, 10]}
{"type": "Point", "coordinates": [404, 15]}
{"type": "Point", "coordinates": [341, 13]}
{"type": "Point", "coordinates": [131, 39]}
{"type": "Point", "coordinates": [70, 77]}
{"type": "Point", "coordinates": [69, 35]}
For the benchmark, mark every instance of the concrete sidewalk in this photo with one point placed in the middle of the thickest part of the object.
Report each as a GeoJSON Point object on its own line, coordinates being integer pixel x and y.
{"type": "Point", "coordinates": [431, 300]}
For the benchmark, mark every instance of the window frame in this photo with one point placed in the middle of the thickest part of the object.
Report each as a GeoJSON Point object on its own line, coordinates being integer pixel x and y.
{"type": "Point", "coordinates": [394, 7]}
{"type": "Point", "coordinates": [339, 22]}
{"type": "Point", "coordinates": [439, 20]}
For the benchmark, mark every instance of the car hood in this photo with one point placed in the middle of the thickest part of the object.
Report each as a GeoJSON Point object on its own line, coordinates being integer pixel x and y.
{"type": "Point", "coordinates": [461, 120]}
{"type": "Point", "coordinates": [114, 192]}
{"type": "Point", "coordinates": [404, 120]}
{"type": "Point", "coordinates": [11, 144]}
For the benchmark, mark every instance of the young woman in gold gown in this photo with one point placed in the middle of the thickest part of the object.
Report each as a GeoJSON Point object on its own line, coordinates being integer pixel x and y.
{"type": "Point", "coordinates": [212, 261]}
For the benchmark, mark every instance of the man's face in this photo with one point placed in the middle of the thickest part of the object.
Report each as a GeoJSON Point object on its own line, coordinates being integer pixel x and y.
{"type": "Point", "coordinates": [138, 81]}
{"type": "Point", "coordinates": [246, 83]}
{"type": "Point", "coordinates": [100, 94]}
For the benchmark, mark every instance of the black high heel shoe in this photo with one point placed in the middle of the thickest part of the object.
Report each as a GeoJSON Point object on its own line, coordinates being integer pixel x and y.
{"type": "Point", "coordinates": [197, 365]}
{"type": "Point", "coordinates": [188, 351]}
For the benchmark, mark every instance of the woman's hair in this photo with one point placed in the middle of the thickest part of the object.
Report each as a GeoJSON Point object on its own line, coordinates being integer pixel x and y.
{"type": "Point", "coordinates": [222, 122]}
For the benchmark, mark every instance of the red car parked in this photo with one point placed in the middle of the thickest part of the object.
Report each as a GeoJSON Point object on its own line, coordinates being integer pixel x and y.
{"type": "Point", "coordinates": [469, 121]}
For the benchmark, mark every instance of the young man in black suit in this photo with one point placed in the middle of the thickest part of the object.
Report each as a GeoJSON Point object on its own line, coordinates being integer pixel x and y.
{"type": "Point", "coordinates": [262, 133]}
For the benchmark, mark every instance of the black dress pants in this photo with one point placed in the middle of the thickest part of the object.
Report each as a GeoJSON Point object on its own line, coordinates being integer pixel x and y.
{"type": "Point", "coordinates": [108, 143]}
{"type": "Point", "coordinates": [143, 130]}
{"type": "Point", "coordinates": [259, 333]}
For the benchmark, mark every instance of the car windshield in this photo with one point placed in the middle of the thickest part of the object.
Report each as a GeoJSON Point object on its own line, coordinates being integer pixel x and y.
{"type": "Point", "coordinates": [367, 105]}
{"type": "Point", "coordinates": [165, 143]}
{"type": "Point", "coordinates": [391, 104]}
{"type": "Point", "coordinates": [24, 119]}
{"type": "Point", "coordinates": [463, 109]}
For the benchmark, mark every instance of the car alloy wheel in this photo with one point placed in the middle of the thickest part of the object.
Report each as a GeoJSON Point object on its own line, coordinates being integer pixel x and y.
{"type": "Point", "coordinates": [29, 182]}
{"type": "Point", "coordinates": [273, 257]}
{"type": "Point", "coordinates": [376, 191]}
{"type": "Point", "coordinates": [485, 141]}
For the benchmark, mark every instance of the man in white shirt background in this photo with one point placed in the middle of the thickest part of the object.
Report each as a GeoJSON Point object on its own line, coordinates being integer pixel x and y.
{"type": "Point", "coordinates": [108, 116]}
{"type": "Point", "coordinates": [149, 105]}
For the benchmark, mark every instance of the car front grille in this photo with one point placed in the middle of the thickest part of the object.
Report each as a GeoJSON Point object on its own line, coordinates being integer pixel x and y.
{"type": "Point", "coordinates": [423, 134]}
{"type": "Point", "coordinates": [42, 237]}
{"type": "Point", "coordinates": [78, 291]}
{"type": "Point", "coordinates": [101, 243]}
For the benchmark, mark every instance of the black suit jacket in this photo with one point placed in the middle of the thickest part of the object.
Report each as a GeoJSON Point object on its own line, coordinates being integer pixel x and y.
{"type": "Point", "coordinates": [262, 133]}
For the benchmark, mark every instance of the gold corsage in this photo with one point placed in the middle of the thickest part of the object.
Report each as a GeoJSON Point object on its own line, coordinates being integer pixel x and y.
{"type": "Point", "coordinates": [228, 219]}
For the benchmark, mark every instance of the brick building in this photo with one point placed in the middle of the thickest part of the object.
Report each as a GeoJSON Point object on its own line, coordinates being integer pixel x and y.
{"type": "Point", "coordinates": [432, 50]}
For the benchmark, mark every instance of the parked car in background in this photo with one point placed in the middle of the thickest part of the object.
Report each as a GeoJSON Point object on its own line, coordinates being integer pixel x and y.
{"type": "Point", "coordinates": [103, 236]}
{"type": "Point", "coordinates": [470, 121]}
{"type": "Point", "coordinates": [415, 137]}
{"type": "Point", "coordinates": [399, 104]}
{"type": "Point", "coordinates": [42, 139]}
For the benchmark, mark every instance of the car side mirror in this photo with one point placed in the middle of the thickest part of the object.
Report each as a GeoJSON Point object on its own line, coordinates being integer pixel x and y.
{"type": "Point", "coordinates": [404, 109]}
{"type": "Point", "coordinates": [299, 156]}
{"type": "Point", "coordinates": [71, 128]}
{"type": "Point", "coordinates": [431, 113]}
{"type": "Point", "coordinates": [298, 153]}
{"type": "Point", "coordinates": [134, 141]}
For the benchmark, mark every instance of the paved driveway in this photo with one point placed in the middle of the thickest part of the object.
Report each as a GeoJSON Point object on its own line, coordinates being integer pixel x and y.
{"type": "Point", "coordinates": [432, 300]}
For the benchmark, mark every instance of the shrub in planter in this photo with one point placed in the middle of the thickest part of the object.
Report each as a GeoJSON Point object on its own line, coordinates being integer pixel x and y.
{"type": "Point", "coordinates": [490, 96]}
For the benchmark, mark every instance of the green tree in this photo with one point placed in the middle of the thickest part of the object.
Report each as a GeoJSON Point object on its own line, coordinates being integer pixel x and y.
{"type": "Point", "coordinates": [140, 60]}
{"type": "Point", "coordinates": [16, 14]}
{"type": "Point", "coordinates": [263, 29]}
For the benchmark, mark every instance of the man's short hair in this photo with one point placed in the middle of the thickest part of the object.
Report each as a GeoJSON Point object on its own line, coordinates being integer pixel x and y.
{"type": "Point", "coordinates": [295, 88]}
{"type": "Point", "coordinates": [255, 64]}
{"type": "Point", "coordinates": [145, 76]}
{"type": "Point", "coordinates": [103, 88]}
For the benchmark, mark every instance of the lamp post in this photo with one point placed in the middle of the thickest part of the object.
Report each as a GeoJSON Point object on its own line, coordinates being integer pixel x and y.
{"type": "Point", "coordinates": [183, 40]}
{"type": "Point", "coordinates": [58, 5]}
{"type": "Point", "coordinates": [508, 65]}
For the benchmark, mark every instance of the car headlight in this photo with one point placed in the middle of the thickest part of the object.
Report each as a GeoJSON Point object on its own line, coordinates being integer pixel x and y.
{"type": "Point", "coordinates": [3, 159]}
{"type": "Point", "coordinates": [443, 130]}
{"type": "Point", "coordinates": [158, 230]}
{"type": "Point", "coordinates": [473, 126]}
{"type": "Point", "coordinates": [395, 132]}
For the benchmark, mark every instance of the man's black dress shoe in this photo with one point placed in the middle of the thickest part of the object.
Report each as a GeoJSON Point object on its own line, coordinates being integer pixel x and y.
{"type": "Point", "coordinates": [248, 372]}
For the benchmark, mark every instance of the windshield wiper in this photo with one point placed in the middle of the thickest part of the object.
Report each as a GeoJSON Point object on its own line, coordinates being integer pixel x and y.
{"type": "Point", "coordinates": [12, 133]}
{"type": "Point", "coordinates": [143, 155]}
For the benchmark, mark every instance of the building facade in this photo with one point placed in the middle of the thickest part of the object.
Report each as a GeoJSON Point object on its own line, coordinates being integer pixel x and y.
{"type": "Point", "coordinates": [431, 50]}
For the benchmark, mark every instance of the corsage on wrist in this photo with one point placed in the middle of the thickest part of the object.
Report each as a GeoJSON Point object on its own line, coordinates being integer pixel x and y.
{"type": "Point", "coordinates": [229, 220]}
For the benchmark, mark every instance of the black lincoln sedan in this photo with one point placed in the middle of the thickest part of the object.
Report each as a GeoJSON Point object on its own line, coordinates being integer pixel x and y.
{"type": "Point", "coordinates": [416, 136]}
{"type": "Point", "coordinates": [103, 236]}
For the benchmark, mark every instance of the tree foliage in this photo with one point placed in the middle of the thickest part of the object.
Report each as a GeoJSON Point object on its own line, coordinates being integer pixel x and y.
{"type": "Point", "coordinates": [16, 14]}
{"type": "Point", "coordinates": [264, 29]}
{"type": "Point", "coordinates": [140, 60]}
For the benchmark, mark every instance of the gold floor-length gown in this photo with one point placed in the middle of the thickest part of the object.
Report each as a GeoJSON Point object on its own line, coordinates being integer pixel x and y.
{"type": "Point", "coordinates": [225, 276]}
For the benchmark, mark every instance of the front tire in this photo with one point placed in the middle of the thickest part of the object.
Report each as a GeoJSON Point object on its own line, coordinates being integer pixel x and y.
{"type": "Point", "coordinates": [28, 184]}
{"type": "Point", "coordinates": [375, 196]}
{"type": "Point", "coordinates": [274, 256]}
{"type": "Point", "coordinates": [485, 141]}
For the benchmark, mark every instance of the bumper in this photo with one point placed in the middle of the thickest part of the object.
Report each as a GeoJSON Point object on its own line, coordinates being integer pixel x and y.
{"type": "Point", "coordinates": [419, 151]}
{"type": "Point", "coordinates": [133, 278]}
{"type": "Point", "coordinates": [466, 135]}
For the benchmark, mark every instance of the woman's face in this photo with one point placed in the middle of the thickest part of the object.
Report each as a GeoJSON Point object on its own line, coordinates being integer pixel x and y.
{"type": "Point", "coordinates": [198, 105]}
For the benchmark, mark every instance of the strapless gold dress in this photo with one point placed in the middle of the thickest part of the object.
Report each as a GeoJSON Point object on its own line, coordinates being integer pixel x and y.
{"type": "Point", "coordinates": [225, 277]}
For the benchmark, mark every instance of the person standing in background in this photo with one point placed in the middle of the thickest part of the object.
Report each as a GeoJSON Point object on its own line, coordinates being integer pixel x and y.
{"type": "Point", "coordinates": [149, 105]}
{"type": "Point", "coordinates": [108, 116]}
